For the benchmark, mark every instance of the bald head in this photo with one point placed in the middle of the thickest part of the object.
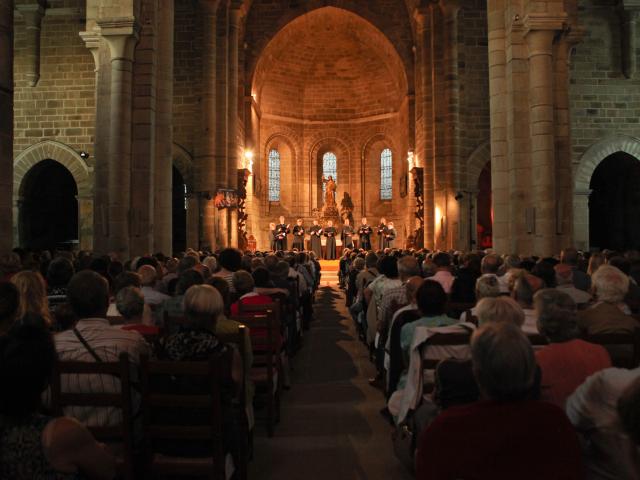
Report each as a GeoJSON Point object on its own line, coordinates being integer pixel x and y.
{"type": "Point", "coordinates": [412, 286]}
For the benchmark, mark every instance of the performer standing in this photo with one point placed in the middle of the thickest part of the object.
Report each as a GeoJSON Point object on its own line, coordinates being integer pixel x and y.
{"type": "Point", "coordinates": [282, 230]}
{"type": "Point", "coordinates": [330, 233]}
{"type": "Point", "coordinates": [316, 242]}
{"type": "Point", "coordinates": [272, 236]}
{"type": "Point", "coordinates": [364, 233]}
{"type": "Point", "coordinates": [298, 236]}
{"type": "Point", "coordinates": [391, 235]}
{"type": "Point", "coordinates": [347, 235]}
{"type": "Point", "coordinates": [382, 231]}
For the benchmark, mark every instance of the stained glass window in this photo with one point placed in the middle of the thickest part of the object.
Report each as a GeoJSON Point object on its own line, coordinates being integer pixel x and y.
{"type": "Point", "coordinates": [329, 168]}
{"type": "Point", "coordinates": [274, 176]}
{"type": "Point", "coordinates": [386, 174]}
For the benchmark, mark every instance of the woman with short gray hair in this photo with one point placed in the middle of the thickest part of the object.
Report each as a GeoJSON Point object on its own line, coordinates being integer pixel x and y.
{"type": "Point", "coordinates": [487, 286]}
{"type": "Point", "coordinates": [506, 434]}
{"type": "Point", "coordinates": [495, 309]}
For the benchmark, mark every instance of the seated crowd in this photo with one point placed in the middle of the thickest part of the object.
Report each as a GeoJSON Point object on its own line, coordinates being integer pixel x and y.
{"type": "Point", "coordinates": [95, 309]}
{"type": "Point", "coordinates": [504, 366]}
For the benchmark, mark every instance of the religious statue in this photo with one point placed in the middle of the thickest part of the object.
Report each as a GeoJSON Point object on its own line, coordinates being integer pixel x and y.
{"type": "Point", "coordinates": [330, 192]}
{"type": "Point", "coordinates": [346, 208]}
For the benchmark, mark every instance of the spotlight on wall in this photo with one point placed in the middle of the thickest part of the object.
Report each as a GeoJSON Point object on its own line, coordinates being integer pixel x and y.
{"type": "Point", "coordinates": [84, 155]}
{"type": "Point", "coordinates": [410, 160]}
{"type": "Point", "coordinates": [248, 160]}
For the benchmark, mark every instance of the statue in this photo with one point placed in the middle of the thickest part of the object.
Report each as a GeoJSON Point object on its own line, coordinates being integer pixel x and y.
{"type": "Point", "coordinates": [346, 208]}
{"type": "Point", "coordinates": [330, 192]}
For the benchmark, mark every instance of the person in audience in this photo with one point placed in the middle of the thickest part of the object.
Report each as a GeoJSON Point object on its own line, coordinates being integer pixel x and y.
{"type": "Point", "coordinates": [9, 303]}
{"type": "Point", "coordinates": [149, 278]}
{"type": "Point", "coordinates": [244, 286]}
{"type": "Point", "coordinates": [596, 260]}
{"type": "Point", "coordinates": [443, 274]}
{"type": "Point", "coordinates": [512, 264]}
{"type": "Point", "coordinates": [94, 340]}
{"type": "Point", "coordinates": [463, 289]}
{"type": "Point", "coordinates": [59, 273]}
{"type": "Point", "coordinates": [230, 261]}
{"type": "Point", "coordinates": [32, 445]}
{"type": "Point", "coordinates": [564, 283]}
{"type": "Point", "coordinates": [432, 304]}
{"type": "Point", "coordinates": [632, 298]}
{"type": "Point", "coordinates": [581, 280]}
{"type": "Point", "coordinates": [395, 297]}
{"type": "Point", "coordinates": [33, 297]}
{"type": "Point", "coordinates": [500, 308]}
{"type": "Point", "coordinates": [487, 286]}
{"type": "Point", "coordinates": [627, 409]}
{"type": "Point", "coordinates": [609, 314]}
{"type": "Point", "coordinates": [525, 287]}
{"type": "Point", "coordinates": [567, 361]}
{"type": "Point", "coordinates": [609, 452]}
{"type": "Point", "coordinates": [174, 306]}
{"type": "Point", "coordinates": [505, 435]}
{"type": "Point", "coordinates": [130, 304]}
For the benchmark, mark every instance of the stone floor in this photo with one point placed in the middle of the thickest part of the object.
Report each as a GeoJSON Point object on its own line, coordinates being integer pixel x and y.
{"type": "Point", "coordinates": [330, 427]}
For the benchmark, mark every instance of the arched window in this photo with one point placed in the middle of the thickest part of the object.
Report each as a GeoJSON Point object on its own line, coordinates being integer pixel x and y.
{"type": "Point", "coordinates": [386, 174]}
{"type": "Point", "coordinates": [329, 167]}
{"type": "Point", "coordinates": [274, 175]}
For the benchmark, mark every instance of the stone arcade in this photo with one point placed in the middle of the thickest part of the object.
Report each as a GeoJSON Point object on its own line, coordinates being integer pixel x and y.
{"type": "Point", "coordinates": [515, 122]}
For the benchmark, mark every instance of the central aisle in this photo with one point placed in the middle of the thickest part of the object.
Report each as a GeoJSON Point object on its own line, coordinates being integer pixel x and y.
{"type": "Point", "coordinates": [331, 428]}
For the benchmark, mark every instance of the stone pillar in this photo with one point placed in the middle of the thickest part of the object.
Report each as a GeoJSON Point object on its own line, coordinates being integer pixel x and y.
{"type": "Point", "coordinates": [628, 27]}
{"type": "Point", "coordinates": [6, 125]}
{"type": "Point", "coordinates": [541, 124]}
{"type": "Point", "coordinates": [221, 219]}
{"type": "Point", "coordinates": [121, 36]}
{"type": "Point", "coordinates": [163, 214]}
{"type": "Point", "coordinates": [85, 228]}
{"type": "Point", "coordinates": [206, 152]}
{"type": "Point", "coordinates": [498, 105]}
{"type": "Point", "coordinates": [232, 120]}
{"type": "Point", "coordinates": [32, 15]}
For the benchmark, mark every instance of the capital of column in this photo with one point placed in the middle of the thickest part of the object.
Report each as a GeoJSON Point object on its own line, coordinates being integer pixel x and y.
{"type": "Point", "coordinates": [541, 22]}
{"type": "Point", "coordinates": [91, 40]}
{"type": "Point", "coordinates": [32, 14]}
{"type": "Point", "coordinates": [121, 35]}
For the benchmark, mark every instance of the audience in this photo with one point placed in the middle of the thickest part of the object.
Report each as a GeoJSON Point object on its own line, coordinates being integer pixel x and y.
{"type": "Point", "coordinates": [443, 273]}
{"type": "Point", "coordinates": [486, 286]}
{"type": "Point", "coordinates": [149, 277]}
{"type": "Point", "coordinates": [33, 305]}
{"type": "Point", "coordinates": [505, 435]}
{"type": "Point", "coordinates": [131, 305]}
{"type": "Point", "coordinates": [525, 287]}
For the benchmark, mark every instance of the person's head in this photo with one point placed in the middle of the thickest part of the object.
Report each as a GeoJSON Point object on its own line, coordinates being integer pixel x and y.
{"type": "Point", "coordinates": [490, 264]}
{"type": "Point", "coordinates": [211, 263]}
{"type": "Point", "coordinates": [346, 221]}
{"type": "Point", "coordinates": [569, 256]}
{"type": "Point", "coordinates": [222, 286]}
{"type": "Point", "coordinates": [261, 277]}
{"type": "Point", "coordinates": [595, 261]}
{"type": "Point", "coordinates": [442, 260]}
{"type": "Point", "coordinates": [408, 267]}
{"type": "Point", "coordinates": [230, 259]}
{"type": "Point", "coordinates": [609, 284]}
{"type": "Point", "coordinates": [411, 288]}
{"type": "Point", "coordinates": [431, 299]}
{"type": "Point", "coordinates": [564, 274]}
{"type": "Point", "coordinates": [9, 303]}
{"type": "Point", "coordinates": [525, 287]}
{"type": "Point", "coordinates": [242, 282]}
{"type": "Point", "coordinates": [364, 220]}
{"type": "Point", "coordinates": [88, 294]}
{"type": "Point", "coordinates": [148, 275]}
{"type": "Point", "coordinates": [299, 222]}
{"type": "Point", "coordinates": [487, 286]}
{"type": "Point", "coordinates": [127, 279]}
{"type": "Point", "coordinates": [130, 304]}
{"type": "Point", "coordinates": [315, 222]}
{"type": "Point", "coordinates": [371, 260]}
{"type": "Point", "coordinates": [499, 309]}
{"type": "Point", "coordinates": [388, 266]}
{"type": "Point", "coordinates": [281, 270]}
{"type": "Point", "coordinates": [203, 305]}
{"type": "Point", "coordinates": [628, 408]}
{"type": "Point", "coordinates": [27, 357]}
{"type": "Point", "coordinates": [186, 263]}
{"type": "Point", "coordinates": [556, 314]}
{"type": "Point", "coordinates": [188, 279]}
{"type": "Point", "coordinates": [59, 272]}
{"type": "Point", "coordinates": [503, 361]}
{"type": "Point", "coordinates": [358, 263]}
{"type": "Point", "coordinates": [545, 271]}
{"type": "Point", "coordinates": [512, 261]}
{"type": "Point", "coordinates": [281, 219]}
{"type": "Point", "coordinates": [33, 295]}
{"type": "Point", "coordinates": [329, 223]}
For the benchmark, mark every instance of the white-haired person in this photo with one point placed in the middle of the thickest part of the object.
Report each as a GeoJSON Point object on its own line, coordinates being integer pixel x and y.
{"type": "Point", "coordinates": [149, 277]}
{"type": "Point", "coordinates": [567, 361]}
{"type": "Point", "coordinates": [609, 314]}
{"type": "Point", "coordinates": [505, 435]}
{"type": "Point", "coordinates": [487, 286]}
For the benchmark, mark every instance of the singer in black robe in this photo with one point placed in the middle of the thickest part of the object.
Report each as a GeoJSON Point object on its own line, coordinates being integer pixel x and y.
{"type": "Point", "coordinates": [282, 231]}
{"type": "Point", "coordinates": [316, 241]}
{"type": "Point", "coordinates": [330, 249]}
{"type": "Point", "coordinates": [347, 236]}
{"type": "Point", "coordinates": [364, 232]}
{"type": "Point", "coordinates": [382, 232]}
{"type": "Point", "coordinates": [298, 236]}
{"type": "Point", "coordinates": [391, 235]}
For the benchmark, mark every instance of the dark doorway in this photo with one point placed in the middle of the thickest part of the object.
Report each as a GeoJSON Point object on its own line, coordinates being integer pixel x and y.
{"type": "Point", "coordinates": [48, 214]}
{"type": "Point", "coordinates": [485, 212]}
{"type": "Point", "coordinates": [614, 203]}
{"type": "Point", "coordinates": [179, 196]}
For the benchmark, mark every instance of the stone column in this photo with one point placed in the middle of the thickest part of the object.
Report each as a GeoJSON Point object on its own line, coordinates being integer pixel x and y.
{"type": "Point", "coordinates": [232, 120]}
{"type": "Point", "coordinates": [628, 24]}
{"type": "Point", "coordinates": [32, 15]}
{"type": "Point", "coordinates": [121, 36]}
{"type": "Point", "coordinates": [206, 152]}
{"type": "Point", "coordinates": [6, 125]}
{"type": "Point", "coordinates": [541, 124]}
{"type": "Point", "coordinates": [221, 217]}
{"type": "Point", "coordinates": [163, 214]}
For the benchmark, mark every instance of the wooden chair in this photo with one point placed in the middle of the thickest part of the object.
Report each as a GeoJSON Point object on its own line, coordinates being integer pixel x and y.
{"type": "Point", "coordinates": [624, 348]}
{"type": "Point", "coordinates": [117, 434]}
{"type": "Point", "coordinates": [158, 429]}
{"type": "Point", "coordinates": [266, 372]}
{"type": "Point", "coordinates": [461, 339]}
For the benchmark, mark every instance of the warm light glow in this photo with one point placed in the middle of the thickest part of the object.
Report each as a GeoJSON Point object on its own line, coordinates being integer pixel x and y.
{"type": "Point", "coordinates": [255, 97]}
{"type": "Point", "coordinates": [248, 160]}
{"type": "Point", "coordinates": [411, 160]}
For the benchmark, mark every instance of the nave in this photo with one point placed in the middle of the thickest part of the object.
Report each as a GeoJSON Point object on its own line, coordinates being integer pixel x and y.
{"type": "Point", "coordinates": [330, 426]}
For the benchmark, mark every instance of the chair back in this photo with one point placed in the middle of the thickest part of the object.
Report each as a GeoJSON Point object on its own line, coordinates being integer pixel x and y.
{"type": "Point", "coordinates": [238, 340]}
{"type": "Point", "coordinates": [624, 348]}
{"type": "Point", "coordinates": [122, 433]}
{"type": "Point", "coordinates": [157, 429]}
{"type": "Point", "coordinates": [441, 346]}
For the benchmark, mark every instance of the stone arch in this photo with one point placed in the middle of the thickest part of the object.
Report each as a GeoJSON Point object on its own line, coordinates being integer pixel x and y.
{"type": "Point", "coordinates": [370, 177]}
{"type": "Point", "coordinates": [289, 155]}
{"type": "Point", "coordinates": [476, 163]}
{"type": "Point", "coordinates": [80, 171]}
{"type": "Point", "coordinates": [183, 161]}
{"type": "Point", "coordinates": [583, 172]}
{"type": "Point", "coordinates": [343, 150]}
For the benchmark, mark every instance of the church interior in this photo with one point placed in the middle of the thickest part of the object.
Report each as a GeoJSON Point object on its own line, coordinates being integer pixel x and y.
{"type": "Point", "coordinates": [469, 135]}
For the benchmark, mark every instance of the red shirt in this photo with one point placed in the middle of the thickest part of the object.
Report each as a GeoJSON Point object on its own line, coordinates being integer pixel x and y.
{"type": "Point", "coordinates": [525, 440]}
{"type": "Point", "coordinates": [142, 329]}
{"type": "Point", "coordinates": [565, 366]}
